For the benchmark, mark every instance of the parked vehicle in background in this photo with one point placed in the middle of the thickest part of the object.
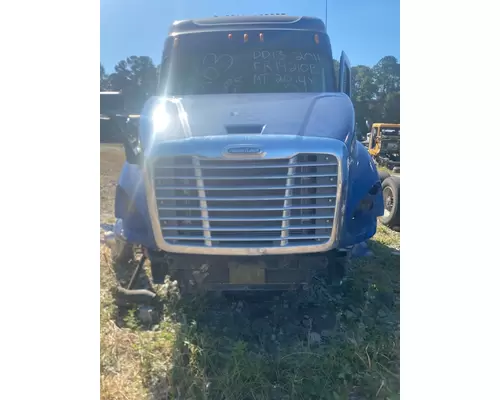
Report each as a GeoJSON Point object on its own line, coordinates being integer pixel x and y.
{"type": "Point", "coordinates": [114, 116]}
{"type": "Point", "coordinates": [384, 144]}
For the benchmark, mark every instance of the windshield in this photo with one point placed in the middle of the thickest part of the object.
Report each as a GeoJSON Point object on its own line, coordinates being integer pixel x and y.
{"type": "Point", "coordinates": [267, 62]}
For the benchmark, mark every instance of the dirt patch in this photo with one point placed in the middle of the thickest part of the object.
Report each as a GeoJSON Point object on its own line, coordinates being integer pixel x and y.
{"type": "Point", "coordinates": [112, 159]}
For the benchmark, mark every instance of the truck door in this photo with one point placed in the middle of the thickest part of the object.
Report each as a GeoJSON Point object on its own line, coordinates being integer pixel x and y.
{"type": "Point", "coordinates": [373, 139]}
{"type": "Point", "coordinates": [345, 82]}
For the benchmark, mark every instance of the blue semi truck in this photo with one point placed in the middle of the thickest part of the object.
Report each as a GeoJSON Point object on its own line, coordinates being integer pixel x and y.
{"type": "Point", "coordinates": [245, 172]}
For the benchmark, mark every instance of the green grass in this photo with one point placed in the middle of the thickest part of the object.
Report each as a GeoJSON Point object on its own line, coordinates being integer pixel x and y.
{"type": "Point", "coordinates": [232, 348]}
{"type": "Point", "coordinates": [203, 348]}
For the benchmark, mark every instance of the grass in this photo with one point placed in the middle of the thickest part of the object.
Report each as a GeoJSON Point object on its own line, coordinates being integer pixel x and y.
{"type": "Point", "coordinates": [316, 344]}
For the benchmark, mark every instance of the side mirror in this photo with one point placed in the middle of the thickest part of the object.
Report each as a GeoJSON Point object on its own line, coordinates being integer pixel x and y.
{"type": "Point", "coordinates": [131, 142]}
{"type": "Point", "coordinates": [130, 133]}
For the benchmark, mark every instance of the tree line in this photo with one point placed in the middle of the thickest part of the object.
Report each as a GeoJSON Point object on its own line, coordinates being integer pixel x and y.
{"type": "Point", "coordinates": [375, 89]}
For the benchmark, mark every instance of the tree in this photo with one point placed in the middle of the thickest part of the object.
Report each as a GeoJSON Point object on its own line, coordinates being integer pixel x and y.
{"type": "Point", "coordinates": [376, 92]}
{"type": "Point", "coordinates": [104, 78]}
{"type": "Point", "coordinates": [386, 73]}
{"type": "Point", "coordinates": [363, 96]}
{"type": "Point", "coordinates": [136, 78]}
{"type": "Point", "coordinates": [387, 78]}
{"type": "Point", "coordinates": [391, 108]}
{"type": "Point", "coordinates": [363, 82]}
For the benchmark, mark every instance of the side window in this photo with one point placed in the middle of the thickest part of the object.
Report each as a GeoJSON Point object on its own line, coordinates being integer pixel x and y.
{"type": "Point", "coordinates": [347, 81]}
{"type": "Point", "coordinates": [345, 75]}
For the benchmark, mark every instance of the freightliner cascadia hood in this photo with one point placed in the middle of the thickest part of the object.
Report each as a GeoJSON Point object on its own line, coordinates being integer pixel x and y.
{"type": "Point", "coordinates": [308, 114]}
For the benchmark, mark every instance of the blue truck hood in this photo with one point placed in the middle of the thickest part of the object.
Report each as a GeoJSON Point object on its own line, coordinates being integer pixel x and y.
{"type": "Point", "coordinates": [309, 114]}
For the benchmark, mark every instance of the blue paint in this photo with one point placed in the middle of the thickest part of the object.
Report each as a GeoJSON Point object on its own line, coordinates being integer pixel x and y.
{"type": "Point", "coordinates": [130, 191]}
{"type": "Point", "coordinates": [361, 175]}
{"type": "Point", "coordinates": [289, 123]}
{"type": "Point", "coordinates": [329, 115]}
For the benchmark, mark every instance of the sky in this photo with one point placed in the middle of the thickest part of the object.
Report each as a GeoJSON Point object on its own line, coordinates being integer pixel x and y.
{"type": "Point", "coordinates": [366, 30]}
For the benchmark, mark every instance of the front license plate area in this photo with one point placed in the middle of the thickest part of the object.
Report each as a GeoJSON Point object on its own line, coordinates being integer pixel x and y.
{"type": "Point", "coordinates": [247, 274]}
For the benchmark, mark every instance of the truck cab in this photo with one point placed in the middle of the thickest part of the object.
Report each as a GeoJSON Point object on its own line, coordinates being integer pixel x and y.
{"type": "Point", "coordinates": [246, 172]}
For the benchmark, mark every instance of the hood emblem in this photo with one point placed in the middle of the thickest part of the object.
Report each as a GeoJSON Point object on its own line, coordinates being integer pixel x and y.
{"type": "Point", "coordinates": [243, 150]}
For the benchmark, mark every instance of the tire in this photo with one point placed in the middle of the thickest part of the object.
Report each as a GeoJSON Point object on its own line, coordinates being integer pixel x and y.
{"type": "Point", "coordinates": [383, 175]}
{"type": "Point", "coordinates": [391, 198]}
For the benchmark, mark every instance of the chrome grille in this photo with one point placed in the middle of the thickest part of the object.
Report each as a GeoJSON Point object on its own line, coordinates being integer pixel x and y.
{"type": "Point", "coordinates": [246, 203]}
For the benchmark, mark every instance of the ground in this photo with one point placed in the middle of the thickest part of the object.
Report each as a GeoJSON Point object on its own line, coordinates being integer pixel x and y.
{"type": "Point", "coordinates": [317, 344]}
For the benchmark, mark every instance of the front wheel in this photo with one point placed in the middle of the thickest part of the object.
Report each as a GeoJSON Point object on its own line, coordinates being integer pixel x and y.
{"type": "Point", "coordinates": [391, 197]}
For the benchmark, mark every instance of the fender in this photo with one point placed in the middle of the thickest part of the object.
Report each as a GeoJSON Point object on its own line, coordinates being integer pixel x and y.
{"type": "Point", "coordinates": [363, 183]}
{"type": "Point", "coordinates": [130, 201]}
{"type": "Point", "coordinates": [131, 207]}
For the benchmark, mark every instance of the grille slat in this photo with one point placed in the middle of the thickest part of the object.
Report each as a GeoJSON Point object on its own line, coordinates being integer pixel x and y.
{"type": "Point", "coordinates": [237, 166]}
{"type": "Point", "coordinates": [249, 198]}
{"type": "Point", "coordinates": [226, 219]}
{"type": "Point", "coordinates": [306, 207]}
{"type": "Point", "coordinates": [203, 202]}
{"type": "Point", "coordinates": [233, 238]}
{"type": "Point", "coordinates": [247, 228]}
{"type": "Point", "coordinates": [287, 204]}
{"type": "Point", "coordinates": [249, 187]}
{"type": "Point", "coordinates": [253, 203]}
{"type": "Point", "coordinates": [208, 178]}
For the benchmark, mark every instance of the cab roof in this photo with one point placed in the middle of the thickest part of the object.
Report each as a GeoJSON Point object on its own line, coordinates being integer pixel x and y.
{"type": "Point", "coordinates": [266, 21]}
